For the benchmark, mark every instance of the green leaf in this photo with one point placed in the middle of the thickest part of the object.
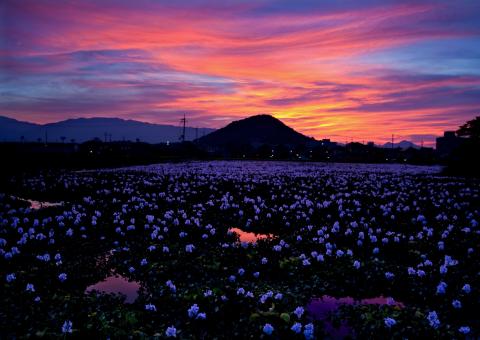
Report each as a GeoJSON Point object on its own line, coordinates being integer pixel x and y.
{"type": "Point", "coordinates": [285, 317]}
{"type": "Point", "coordinates": [254, 316]}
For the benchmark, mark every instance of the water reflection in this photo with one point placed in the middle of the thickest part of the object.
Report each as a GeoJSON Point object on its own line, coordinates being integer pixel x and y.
{"type": "Point", "coordinates": [35, 205]}
{"type": "Point", "coordinates": [320, 308]}
{"type": "Point", "coordinates": [247, 236]}
{"type": "Point", "coordinates": [117, 284]}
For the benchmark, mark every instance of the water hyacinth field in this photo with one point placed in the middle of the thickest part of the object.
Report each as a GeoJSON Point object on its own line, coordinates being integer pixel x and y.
{"type": "Point", "coordinates": [223, 250]}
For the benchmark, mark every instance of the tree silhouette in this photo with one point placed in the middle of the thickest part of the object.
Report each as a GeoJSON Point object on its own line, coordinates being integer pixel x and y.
{"type": "Point", "coordinates": [463, 161]}
{"type": "Point", "coordinates": [470, 129]}
{"type": "Point", "coordinates": [63, 139]}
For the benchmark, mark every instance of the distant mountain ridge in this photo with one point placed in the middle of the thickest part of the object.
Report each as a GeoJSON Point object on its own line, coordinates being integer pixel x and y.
{"type": "Point", "coordinates": [83, 129]}
{"type": "Point", "coordinates": [404, 144]}
{"type": "Point", "coordinates": [255, 130]}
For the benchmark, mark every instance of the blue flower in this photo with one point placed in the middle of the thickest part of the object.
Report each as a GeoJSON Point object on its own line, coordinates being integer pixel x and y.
{"type": "Point", "coordinates": [30, 287]}
{"type": "Point", "coordinates": [432, 318]}
{"type": "Point", "coordinates": [171, 332]}
{"type": "Point", "coordinates": [67, 327]}
{"type": "Point", "coordinates": [389, 322]}
{"type": "Point", "coordinates": [299, 312]}
{"type": "Point", "coordinates": [143, 262]}
{"type": "Point", "coordinates": [466, 288]}
{"type": "Point", "coordinates": [456, 304]}
{"type": "Point", "coordinates": [193, 311]}
{"type": "Point", "coordinates": [308, 332]}
{"type": "Point", "coordinates": [464, 329]}
{"type": "Point", "coordinates": [201, 316]}
{"type": "Point", "coordinates": [389, 276]}
{"type": "Point", "coordinates": [356, 264]}
{"type": "Point", "coordinates": [442, 286]}
{"type": "Point", "coordinates": [11, 277]}
{"type": "Point", "coordinates": [170, 285]}
{"type": "Point", "coordinates": [62, 277]}
{"type": "Point", "coordinates": [297, 327]}
{"type": "Point", "coordinates": [268, 329]}
{"type": "Point", "coordinates": [151, 307]}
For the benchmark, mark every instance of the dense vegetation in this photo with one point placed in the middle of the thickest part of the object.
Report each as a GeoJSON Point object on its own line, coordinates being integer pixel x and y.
{"type": "Point", "coordinates": [339, 230]}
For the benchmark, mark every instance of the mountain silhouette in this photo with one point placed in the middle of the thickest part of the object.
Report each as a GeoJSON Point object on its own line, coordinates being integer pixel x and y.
{"type": "Point", "coordinates": [83, 129]}
{"type": "Point", "coordinates": [255, 130]}
{"type": "Point", "coordinates": [404, 145]}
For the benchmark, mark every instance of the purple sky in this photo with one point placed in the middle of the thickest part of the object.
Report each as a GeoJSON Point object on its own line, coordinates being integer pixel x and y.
{"type": "Point", "coordinates": [336, 69]}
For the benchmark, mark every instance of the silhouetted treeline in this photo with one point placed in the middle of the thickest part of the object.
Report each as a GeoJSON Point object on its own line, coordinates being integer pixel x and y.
{"type": "Point", "coordinates": [97, 154]}
{"type": "Point", "coordinates": [27, 157]}
{"type": "Point", "coordinates": [464, 160]}
{"type": "Point", "coordinates": [328, 152]}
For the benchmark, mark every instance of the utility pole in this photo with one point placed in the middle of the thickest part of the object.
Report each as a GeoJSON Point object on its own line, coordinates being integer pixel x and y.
{"type": "Point", "coordinates": [184, 122]}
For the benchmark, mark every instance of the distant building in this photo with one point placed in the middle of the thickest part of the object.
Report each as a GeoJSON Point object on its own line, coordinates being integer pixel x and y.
{"type": "Point", "coordinates": [446, 144]}
{"type": "Point", "coordinates": [327, 142]}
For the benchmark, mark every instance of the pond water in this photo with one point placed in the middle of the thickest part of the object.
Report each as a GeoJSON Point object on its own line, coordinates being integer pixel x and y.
{"type": "Point", "coordinates": [320, 308]}
{"type": "Point", "coordinates": [249, 237]}
{"type": "Point", "coordinates": [117, 284]}
{"type": "Point", "coordinates": [35, 205]}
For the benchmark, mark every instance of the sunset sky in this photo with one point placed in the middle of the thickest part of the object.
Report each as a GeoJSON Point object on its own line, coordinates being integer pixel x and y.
{"type": "Point", "coordinates": [330, 69]}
